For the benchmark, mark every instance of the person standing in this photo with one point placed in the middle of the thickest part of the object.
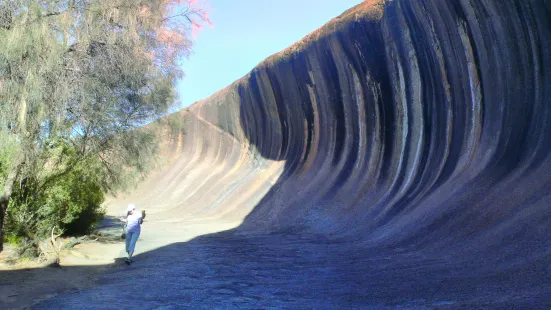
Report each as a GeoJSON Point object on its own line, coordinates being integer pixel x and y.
{"type": "Point", "coordinates": [133, 222]}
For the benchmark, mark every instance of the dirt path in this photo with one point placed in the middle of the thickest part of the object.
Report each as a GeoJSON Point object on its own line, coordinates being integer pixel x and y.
{"type": "Point", "coordinates": [206, 264]}
{"type": "Point", "coordinates": [22, 287]}
{"type": "Point", "coordinates": [236, 270]}
{"type": "Point", "coordinates": [26, 284]}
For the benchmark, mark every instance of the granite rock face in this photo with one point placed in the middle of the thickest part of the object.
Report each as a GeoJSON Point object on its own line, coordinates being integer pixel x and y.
{"type": "Point", "coordinates": [405, 122]}
{"type": "Point", "coordinates": [398, 157]}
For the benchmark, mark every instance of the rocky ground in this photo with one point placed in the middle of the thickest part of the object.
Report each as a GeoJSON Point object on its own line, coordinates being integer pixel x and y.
{"type": "Point", "coordinates": [207, 265]}
{"type": "Point", "coordinates": [26, 283]}
{"type": "Point", "coordinates": [415, 130]}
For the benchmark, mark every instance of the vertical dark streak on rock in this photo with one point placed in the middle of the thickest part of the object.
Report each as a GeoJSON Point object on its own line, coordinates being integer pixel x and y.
{"type": "Point", "coordinates": [247, 118]}
{"type": "Point", "coordinates": [427, 126]}
{"type": "Point", "coordinates": [331, 76]}
{"type": "Point", "coordinates": [299, 69]}
{"type": "Point", "coordinates": [258, 112]}
{"type": "Point", "coordinates": [282, 114]}
{"type": "Point", "coordinates": [541, 46]}
{"type": "Point", "coordinates": [352, 157]}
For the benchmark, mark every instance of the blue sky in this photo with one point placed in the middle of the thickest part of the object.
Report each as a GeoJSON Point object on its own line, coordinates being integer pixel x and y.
{"type": "Point", "coordinates": [246, 32]}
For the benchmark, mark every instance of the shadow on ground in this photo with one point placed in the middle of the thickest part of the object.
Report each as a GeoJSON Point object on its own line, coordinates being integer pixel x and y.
{"type": "Point", "coordinates": [236, 270]}
{"type": "Point", "coordinates": [109, 231]}
{"type": "Point", "coordinates": [477, 180]}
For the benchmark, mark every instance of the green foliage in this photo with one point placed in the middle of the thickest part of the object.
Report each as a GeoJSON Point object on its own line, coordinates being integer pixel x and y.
{"type": "Point", "coordinates": [175, 123]}
{"type": "Point", "coordinates": [68, 196]}
{"type": "Point", "coordinates": [26, 250]}
{"type": "Point", "coordinates": [14, 240]}
{"type": "Point", "coordinates": [7, 154]}
{"type": "Point", "coordinates": [78, 80]}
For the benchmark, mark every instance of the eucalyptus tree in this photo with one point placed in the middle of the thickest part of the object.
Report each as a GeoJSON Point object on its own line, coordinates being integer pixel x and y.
{"type": "Point", "coordinates": [85, 75]}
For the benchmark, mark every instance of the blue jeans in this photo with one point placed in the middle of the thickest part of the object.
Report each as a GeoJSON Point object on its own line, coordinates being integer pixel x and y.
{"type": "Point", "coordinates": [131, 238]}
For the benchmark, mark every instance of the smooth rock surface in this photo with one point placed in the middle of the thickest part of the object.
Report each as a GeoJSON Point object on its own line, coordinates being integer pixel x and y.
{"type": "Point", "coordinates": [399, 156]}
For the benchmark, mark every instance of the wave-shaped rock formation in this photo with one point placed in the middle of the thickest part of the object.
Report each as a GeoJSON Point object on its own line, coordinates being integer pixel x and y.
{"type": "Point", "coordinates": [425, 121]}
{"type": "Point", "coordinates": [400, 125]}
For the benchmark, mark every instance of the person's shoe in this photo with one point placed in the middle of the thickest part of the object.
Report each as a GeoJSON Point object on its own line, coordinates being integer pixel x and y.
{"type": "Point", "coordinates": [128, 261]}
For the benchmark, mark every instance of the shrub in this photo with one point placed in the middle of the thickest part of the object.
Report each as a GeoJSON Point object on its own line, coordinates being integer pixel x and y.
{"type": "Point", "coordinates": [68, 197]}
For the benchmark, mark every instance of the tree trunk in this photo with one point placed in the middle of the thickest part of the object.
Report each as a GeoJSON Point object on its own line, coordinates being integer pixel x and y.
{"type": "Point", "coordinates": [16, 168]}
{"type": "Point", "coordinates": [3, 207]}
{"type": "Point", "coordinates": [6, 195]}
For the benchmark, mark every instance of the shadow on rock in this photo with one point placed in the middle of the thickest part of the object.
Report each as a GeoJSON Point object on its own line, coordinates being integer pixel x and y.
{"type": "Point", "coordinates": [250, 271]}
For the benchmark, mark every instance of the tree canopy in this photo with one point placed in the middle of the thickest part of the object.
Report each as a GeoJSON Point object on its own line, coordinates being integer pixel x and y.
{"type": "Point", "coordinates": [84, 75]}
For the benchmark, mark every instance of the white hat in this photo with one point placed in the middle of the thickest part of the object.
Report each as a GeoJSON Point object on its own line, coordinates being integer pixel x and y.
{"type": "Point", "coordinates": [131, 207]}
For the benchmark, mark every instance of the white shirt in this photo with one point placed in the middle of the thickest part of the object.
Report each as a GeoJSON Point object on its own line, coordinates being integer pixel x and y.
{"type": "Point", "coordinates": [133, 222]}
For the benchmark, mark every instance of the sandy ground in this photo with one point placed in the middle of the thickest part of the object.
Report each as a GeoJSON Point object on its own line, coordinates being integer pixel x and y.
{"type": "Point", "coordinates": [205, 264]}
{"type": "Point", "coordinates": [27, 283]}
{"type": "Point", "coordinates": [237, 270]}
